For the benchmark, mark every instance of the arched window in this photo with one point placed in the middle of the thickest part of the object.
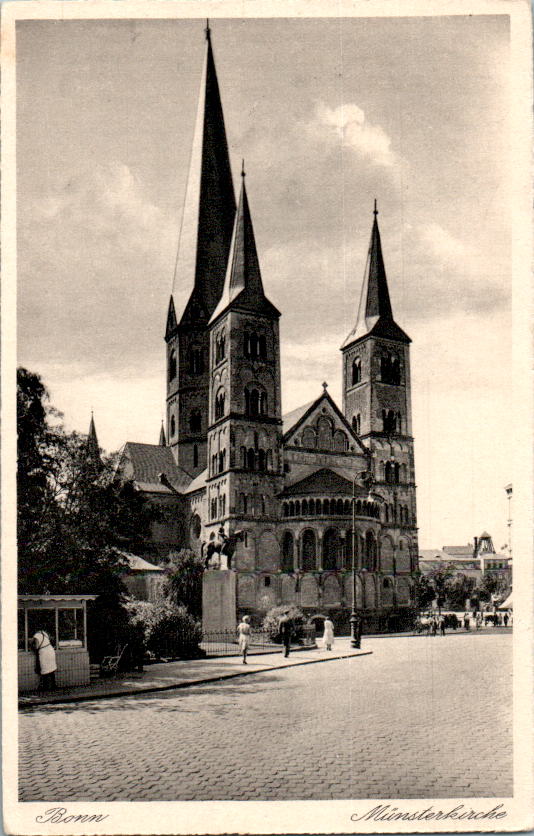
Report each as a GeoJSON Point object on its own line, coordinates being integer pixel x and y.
{"type": "Point", "coordinates": [269, 459]}
{"type": "Point", "coordinates": [219, 404]}
{"type": "Point", "coordinates": [356, 370]}
{"type": "Point", "coordinates": [340, 441]}
{"type": "Point", "coordinates": [263, 346]}
{"type": "Point", "coordinates": [243, 504]}
{"type": "Point", "coordinates": [312, 507]}
{"type": "Point", "coordinates": [263, 403]}
{"type": "Point", "coordinates": [370, 551]}
{"type": "Point", "coordinates": [261, 460]}
{"type": "Point", "coordinates": [196, 360]}
{"type": "Point", "coordinates": [390, 368]}
{"type": "Point", "coordinates": [195, 421]}
{"type": "Point", "coordinates": [173, 425]}
{"type": "Point", "coordinates": [251, 459]}
{"type": "Point", "coordinates": [297, 507]}
{"type": "Point", "coordinates": [309, 438]}
{"type": "Point", "coordinates": [346, 507]}
{"type": "Point", "coordinates": [339, 507]}
{"type": "Point", "coordinates": [308, 550]}
{"type": "Point", "coordinates": [172, 365]}
{"type": "Point", "coordinates": [291, 509]}
{"type": "Point", "coordinates": [331, 549]}
{"type": "Point", "coordinates": [288, 548]}
{"type": "Point", "coordinates": [333, 507]}
{"type": "Point", "coordinates": [263, 505]}
{"type": "Point", "coordinates": [304, 507]}
{"type": "Point", "coordinates": [396, 473]}
{"type": "Point", "coordinates": [390, 472]}
{"type": "Point", "coordinates": [389, 421]}
{"type": "Point", "coordinates": [324, 434]}
{"type": "Point", "coordinates": [285, 509]}
{"type": "Point", "coordinates": [244, 457]}
{"type": "Point", "coordinates": [195, 455]}
{"type": "Point", "coordinates": [213, 508]}
{"type": "Point", "coordinates": [357, 423]}
{"type": "Point", "coordinates": [220, 348]}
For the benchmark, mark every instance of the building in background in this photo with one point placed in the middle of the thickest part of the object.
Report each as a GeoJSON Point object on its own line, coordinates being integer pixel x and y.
{"type": "Point", "coordinates": [230, 460]}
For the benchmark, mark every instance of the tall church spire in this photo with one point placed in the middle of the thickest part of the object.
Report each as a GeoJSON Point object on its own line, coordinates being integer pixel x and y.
{"type": "Point", "coordinates": [375, 314]}
{"type": "Point", "coordinates": [92, 447]}
{"type": "Point", "coordinates": [162, 440]}
{"type": "Point", "coordinates": [209, 206]}
{"type": "Point", "coordinates": [243, 285]}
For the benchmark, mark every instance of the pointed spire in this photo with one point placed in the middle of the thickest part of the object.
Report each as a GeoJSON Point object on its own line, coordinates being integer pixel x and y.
{"type": "Point", "coordinates": [209, 205]}
{"type": "Point", "coordinates": [171, 320]}
{"type": "Point", "coordinates": [375, 314]}
{"type": "Point", "coordinates": [92, 447]}
{"type": "Point", "coordinates": [243, 282]}
{"type": "Point", "coordinates": [162, 439]}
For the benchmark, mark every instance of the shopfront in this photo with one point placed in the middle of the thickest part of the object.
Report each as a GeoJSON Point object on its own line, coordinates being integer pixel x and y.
{"type": "Point", "coordinates": [64, 618]}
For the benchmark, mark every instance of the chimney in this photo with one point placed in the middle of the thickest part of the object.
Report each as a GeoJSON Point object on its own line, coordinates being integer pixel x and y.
{"type": "Point", "coordinates": [475, 548]}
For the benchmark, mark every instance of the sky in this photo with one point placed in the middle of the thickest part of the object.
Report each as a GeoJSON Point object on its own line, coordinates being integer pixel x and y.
{"type": "Point", "coordinates": [328, 115]}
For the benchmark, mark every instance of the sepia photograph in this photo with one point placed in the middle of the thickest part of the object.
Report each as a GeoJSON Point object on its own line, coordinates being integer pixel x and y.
{"type": "Point", "coordinates": [267, 426]}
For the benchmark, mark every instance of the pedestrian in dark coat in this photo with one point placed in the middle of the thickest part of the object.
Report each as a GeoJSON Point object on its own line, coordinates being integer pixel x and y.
{"type": "Point", "coordinates": [285, 628]}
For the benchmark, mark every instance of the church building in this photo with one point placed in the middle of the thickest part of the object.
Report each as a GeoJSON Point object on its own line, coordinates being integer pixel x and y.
{"type": "Point", "coordinates": [289, 485]}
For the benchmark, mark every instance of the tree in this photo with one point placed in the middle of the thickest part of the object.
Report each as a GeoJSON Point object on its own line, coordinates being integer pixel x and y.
{"type": "Point", "coordinates": [492, 584]}
{"type": "Point", "coordinates": [460, 589]}
{"type": "Point", "coordinates": [183, 583]}
{"type": "Point", "coordinates": [424, 591]}
{"type": "Point", "coordinates": [75, 519]}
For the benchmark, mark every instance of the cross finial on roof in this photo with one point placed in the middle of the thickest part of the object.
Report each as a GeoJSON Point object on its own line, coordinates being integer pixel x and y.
{"type": "Point", "coordinates": [208, 30]}
{"type": "Point", "coordinates": [325, 386]}
{"type": "Point", "coordinates": [375, 210]}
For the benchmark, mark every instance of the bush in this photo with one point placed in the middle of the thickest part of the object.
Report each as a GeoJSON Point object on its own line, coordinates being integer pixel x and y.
{"type": "Point", "coordinates": [272, 620]}
{"type": "Point", "coordinates": [169, 630]}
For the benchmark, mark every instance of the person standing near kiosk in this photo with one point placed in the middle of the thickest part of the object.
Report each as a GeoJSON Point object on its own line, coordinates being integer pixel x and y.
{"type": "Point", "coordinates": [45, 660]}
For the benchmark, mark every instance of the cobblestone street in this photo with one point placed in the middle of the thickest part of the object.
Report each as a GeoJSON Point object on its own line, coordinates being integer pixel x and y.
{"type": "Point", "coordinates": [421, 717]}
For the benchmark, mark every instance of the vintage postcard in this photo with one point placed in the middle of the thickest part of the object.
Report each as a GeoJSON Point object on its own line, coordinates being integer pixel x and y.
{"type": "Point", "coordinates": [266, 417]}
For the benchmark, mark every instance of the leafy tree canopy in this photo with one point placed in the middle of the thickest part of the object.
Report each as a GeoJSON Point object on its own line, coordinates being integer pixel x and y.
{"type": "Point", "coordinates": [74, 517]}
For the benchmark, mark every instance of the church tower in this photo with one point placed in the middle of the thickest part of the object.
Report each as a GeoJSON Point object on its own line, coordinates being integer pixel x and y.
{"type": "Point", "coordinates": [245, 470]}
{"type": "Point", "coordinates": [203, 248]}
{"type": "Point", "coordinates": [377, 404]}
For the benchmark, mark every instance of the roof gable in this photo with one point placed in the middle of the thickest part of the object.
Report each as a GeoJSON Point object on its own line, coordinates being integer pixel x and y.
{"type": "Point", "coordinates": [308, 417]}
{"type": "Point", "coordinates": [323, 481]}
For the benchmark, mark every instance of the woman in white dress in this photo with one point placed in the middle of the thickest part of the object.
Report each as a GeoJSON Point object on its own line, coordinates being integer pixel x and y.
{"type": "Point", "coordinates": [328, 635]}
{"type": "Point", "coordinates": [46, 660]}
{"type": "Point", "coordinates": [243, 631]}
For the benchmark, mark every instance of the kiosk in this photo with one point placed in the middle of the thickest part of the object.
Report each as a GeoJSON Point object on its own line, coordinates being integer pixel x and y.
{"type": "Point", "coordinates": [64, 617]}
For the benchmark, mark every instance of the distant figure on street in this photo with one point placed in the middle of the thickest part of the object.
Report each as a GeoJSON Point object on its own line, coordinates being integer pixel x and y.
{"type": "Point", "coordinates": [505, 619]}
{"type": "Point", "coordinates": [479, 620]}
{"type": "Point", "coordinates": [434, 626]}
{"type": "Point", "coordinates": [442, 625]}
{"type": "Point", "coordinates": [328, 635]}
{"type": "Point", "coordinates": [467, 620]}
{"type": "Point", "coordinates": [285, 632]}
{"type": "Point", "coordinates": [45, 660]}
{"type": "Point", "coordinates": [243, 632]}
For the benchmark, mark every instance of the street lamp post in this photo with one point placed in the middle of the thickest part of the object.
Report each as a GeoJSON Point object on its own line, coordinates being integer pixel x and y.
{"type": "Point", "coordinates": [355, 636]}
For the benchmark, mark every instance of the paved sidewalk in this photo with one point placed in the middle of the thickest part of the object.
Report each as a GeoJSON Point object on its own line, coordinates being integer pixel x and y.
{"type": "Point", "coordinates": [182, 674]}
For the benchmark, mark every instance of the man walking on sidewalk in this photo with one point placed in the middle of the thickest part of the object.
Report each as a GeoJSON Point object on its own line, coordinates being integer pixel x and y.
{"type": "Point", "coordinates": [285, 633]}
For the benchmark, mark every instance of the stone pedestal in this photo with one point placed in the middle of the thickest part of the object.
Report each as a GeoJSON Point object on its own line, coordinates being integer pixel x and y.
{"type": "Point", "coordinates": [218, 601]}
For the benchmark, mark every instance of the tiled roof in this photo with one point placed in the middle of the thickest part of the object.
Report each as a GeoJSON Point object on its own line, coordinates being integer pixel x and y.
{"type": "Point", "coordinates": [291, 418]}
{"type": "Point", "coordinates": [198, 482]}
{"type": "Point", "coordinates": [139, 564]}
{"type": "Point", "coordinates": [147, 461]}
{"type": "Point", "coordinates": [322, 481]}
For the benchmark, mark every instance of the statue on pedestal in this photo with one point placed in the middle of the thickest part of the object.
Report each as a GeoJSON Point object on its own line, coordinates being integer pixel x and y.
{"type": "Point", "coordinates": [218, 553]}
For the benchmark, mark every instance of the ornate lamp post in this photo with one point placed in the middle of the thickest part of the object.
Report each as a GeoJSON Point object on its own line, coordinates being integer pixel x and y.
{"type": "Point", "coordinates": [355, 637]}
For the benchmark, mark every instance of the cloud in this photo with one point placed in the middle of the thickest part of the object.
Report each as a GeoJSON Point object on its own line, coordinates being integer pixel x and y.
{"type": "Point", "coordinates": [96, 258]}
{"type": "Point", "coordinates": [348, 122]}
{"type": "Point", "coordinates": [444, 246]}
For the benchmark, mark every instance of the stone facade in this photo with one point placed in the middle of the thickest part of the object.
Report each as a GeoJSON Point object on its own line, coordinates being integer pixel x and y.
{"type": "Point", "coordinates": [305, 491]}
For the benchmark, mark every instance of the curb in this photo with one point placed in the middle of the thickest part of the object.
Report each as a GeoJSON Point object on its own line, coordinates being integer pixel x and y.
{"type": "Point", "coordinates": [187, 684]}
